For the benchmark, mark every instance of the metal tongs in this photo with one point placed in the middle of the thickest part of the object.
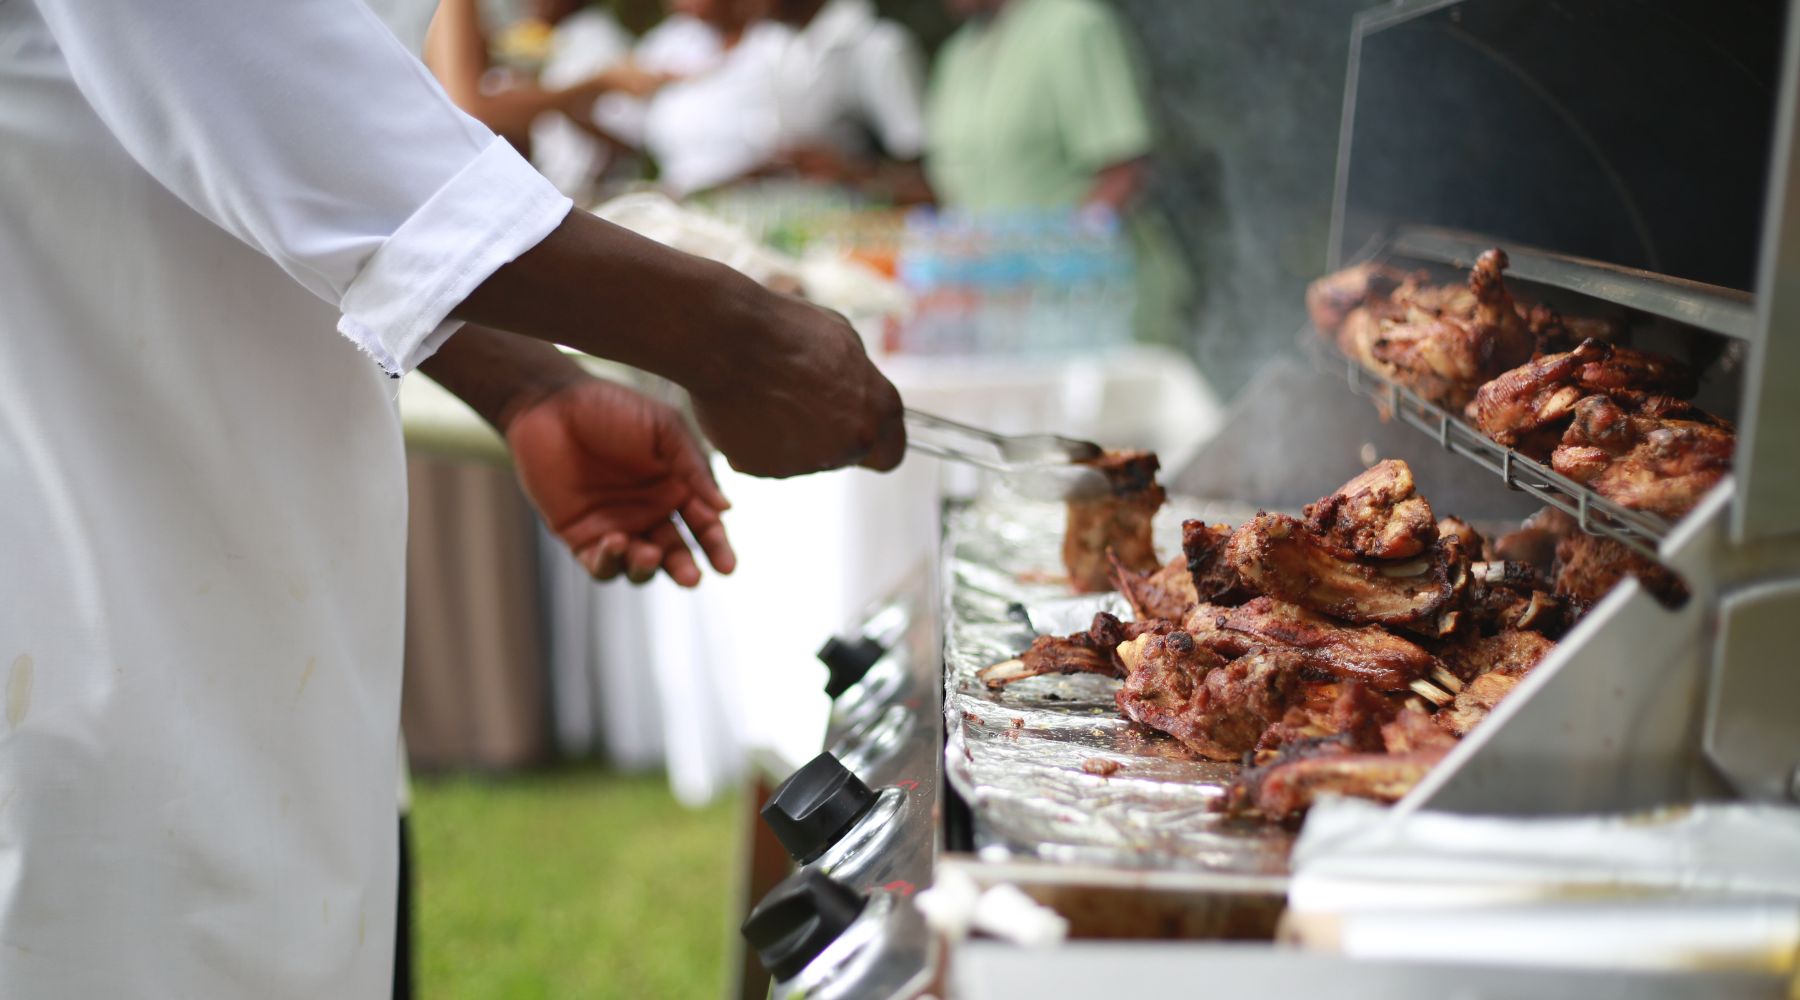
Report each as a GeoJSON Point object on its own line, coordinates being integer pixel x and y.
{"type": "Point", "coordinates": [1038, 466]}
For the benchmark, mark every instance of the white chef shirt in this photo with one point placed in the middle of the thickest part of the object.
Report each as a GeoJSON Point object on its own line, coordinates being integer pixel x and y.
{"type": "Point", "coordinates": [848, 74]}
{"type": "Point", "coordinates": [202, 492]}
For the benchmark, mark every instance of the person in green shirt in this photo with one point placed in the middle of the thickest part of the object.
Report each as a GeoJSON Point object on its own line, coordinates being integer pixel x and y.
{"type": "Point", "coordinates": [1036, 104]}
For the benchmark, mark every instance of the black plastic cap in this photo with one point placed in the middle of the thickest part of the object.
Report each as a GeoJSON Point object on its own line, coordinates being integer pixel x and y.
{"type": "Point", "coordinates": [799, 918]}
{"type": "Point", "coordinates": [815, 806]}
{"type": "Point", "coordinates": [848, 661]}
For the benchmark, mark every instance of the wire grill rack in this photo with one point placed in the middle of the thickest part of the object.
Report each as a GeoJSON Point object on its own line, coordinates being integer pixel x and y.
{"type": "Point", "coordinates": [1637, 530]}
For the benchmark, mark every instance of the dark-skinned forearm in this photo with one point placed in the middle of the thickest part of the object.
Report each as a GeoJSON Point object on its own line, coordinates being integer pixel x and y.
{"type": "Point", "coordinates": [609, 292]}
{"type": "Point", "coordinates": [500, 374]}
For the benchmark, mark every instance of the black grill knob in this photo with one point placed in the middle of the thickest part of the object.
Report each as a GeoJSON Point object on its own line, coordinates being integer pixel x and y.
{"type": "Point", "coordinates": [815, 806]}
{"type": "Point", "coordinates": [798, 919]}
{"type": "Point", "coordinates": [848, 661]}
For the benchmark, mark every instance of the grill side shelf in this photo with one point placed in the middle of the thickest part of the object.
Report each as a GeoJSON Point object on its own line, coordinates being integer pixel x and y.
{"type": "Point", "coordinates": [1638, 531]}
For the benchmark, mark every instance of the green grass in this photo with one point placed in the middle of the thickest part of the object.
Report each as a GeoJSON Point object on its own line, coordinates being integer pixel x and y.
{"type": "Point", "coordinates": [571, 884]}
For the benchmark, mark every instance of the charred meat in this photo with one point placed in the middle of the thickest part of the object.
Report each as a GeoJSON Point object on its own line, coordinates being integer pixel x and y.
{"type": "Point", "coordinates": [1218, 709]}
{"type": "Point", "coordinates": [1119, 523]}
{"type": "Point", "coordinates": [1167, 593]}
{"type": "Point", "coordinates": [1215, 579]}
{"type": "Point", "coordinates": [1369, 654]}
{"type": "Point", "coordinates": [1376, 515]}
{"type": "Point", "coordinates": [1655, 464]}
{"type": "Point", "coordinates": [1090, 652]}
{"type": "Point", "coordinates": [1278, 556]}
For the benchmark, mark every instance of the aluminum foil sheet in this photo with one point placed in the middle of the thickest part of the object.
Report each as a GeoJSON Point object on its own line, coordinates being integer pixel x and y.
{"type": "Point", "coordinates": [1020, 756]}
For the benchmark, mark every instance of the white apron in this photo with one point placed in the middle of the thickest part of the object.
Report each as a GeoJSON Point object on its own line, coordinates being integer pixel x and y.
{"type": "Point", "coordinates": [202, 521]}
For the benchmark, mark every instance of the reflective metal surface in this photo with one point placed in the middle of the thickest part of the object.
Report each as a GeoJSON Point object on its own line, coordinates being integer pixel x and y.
{"type": "Point", "coordinates": [1049, 767]}
{"type": "Point", "coordinates": [886, 729]}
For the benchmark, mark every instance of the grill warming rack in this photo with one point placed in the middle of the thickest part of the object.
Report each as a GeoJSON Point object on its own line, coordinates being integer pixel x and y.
{"type": "Point", "coordinates": [1708, 307]}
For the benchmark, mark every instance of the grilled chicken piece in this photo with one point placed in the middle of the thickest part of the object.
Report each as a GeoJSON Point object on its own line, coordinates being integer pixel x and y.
{"type": "Point", "coordinates": [1091, 652]}
{"type": "Point", "coordinates": [1167, 593]}
{"type": "Point", "coordinates": [1513, 651]}
{"type": "Point", "coordinates": [1218, 709]}
{"type": "Point", "coordinates": [1215, 580]}
{"type": "Point", "coordinates": [1446, 353]}
{"type": "Point", "coordinates": [1284, 790]}
{"type": "Point", "coordinates": [1587, 566]}
{"type": "Point", "coordinates": [1278, 556]}
{"type": "Point", "coordinates": [1472, 542]}
{"type": "Point", "coordinates": [1376, 515]}
{"type": "Point", "coordinates": [1119, 523]}
{"type": "Point", "coordinates": [1413, 730]}
{"type": "Point", "coordinates": [1629, 369]}
{"type": "Point", "coordinates": [1331, 298]}
{"type": "Point", "coordinates": [1371, 655]}
{"type": "Point", "coordinates": [1527, 407]}
{"type": "Point", "coordinates": [1645, 463]}
{"type": "Point", "coordinates": [1496, 665]}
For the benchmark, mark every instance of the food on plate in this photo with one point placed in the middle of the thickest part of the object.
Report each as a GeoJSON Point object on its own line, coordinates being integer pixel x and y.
{"type": "Point", "coordinates": [1119, 523]}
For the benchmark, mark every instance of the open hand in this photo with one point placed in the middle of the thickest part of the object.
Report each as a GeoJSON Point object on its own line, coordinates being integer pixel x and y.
{"type": "Point", "coordinates": [609, 469]}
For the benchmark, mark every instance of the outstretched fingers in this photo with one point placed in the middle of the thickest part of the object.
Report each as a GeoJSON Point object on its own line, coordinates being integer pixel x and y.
{"type": "Point", "coordinates": [708, 529]}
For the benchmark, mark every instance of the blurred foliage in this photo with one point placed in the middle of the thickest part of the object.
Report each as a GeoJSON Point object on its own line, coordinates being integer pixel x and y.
{"type": "Point", "coordinates": [572, 883]}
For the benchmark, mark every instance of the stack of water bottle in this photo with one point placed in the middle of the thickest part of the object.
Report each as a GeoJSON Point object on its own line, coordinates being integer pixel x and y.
{"type": "Point", "coordinates": [1036, 282]}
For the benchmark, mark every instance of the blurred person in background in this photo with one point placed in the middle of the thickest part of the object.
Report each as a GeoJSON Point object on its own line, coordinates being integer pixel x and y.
{"type": "Point", "coordinates": [1037, 105]}
{"type": "Point", "coordinates": [720, 124]}
{"type": "Point", "coordinates": [456, 50]}
{"type": "Point", "coordinates": [849, 93]}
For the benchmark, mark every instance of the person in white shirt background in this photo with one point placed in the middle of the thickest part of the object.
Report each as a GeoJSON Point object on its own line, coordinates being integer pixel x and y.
{"type": "Point", "coordinates": [824, 89]}
{"type": "Point", "coordinates": [203, 484]}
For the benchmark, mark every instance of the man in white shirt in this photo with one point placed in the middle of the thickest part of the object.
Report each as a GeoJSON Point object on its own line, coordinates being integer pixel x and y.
{"type": "Point", "coordinates": [202, 484]}
{"type": "Point", "coordinates": [849, 82]}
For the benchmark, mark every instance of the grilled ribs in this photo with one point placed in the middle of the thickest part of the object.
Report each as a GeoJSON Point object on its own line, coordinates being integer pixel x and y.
{"type": "Point", "coordinates": [1369, 654]}
{"type": "Point", "coordinates": [1278, 556]}
{"type": "Point", "coordinates": [1119, 523]}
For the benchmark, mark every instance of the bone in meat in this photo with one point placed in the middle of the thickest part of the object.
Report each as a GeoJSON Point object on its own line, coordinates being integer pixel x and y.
{"type": "Point", "coordinates": [1376, 515]}
{"type": "Point", "coordinates": [1447, 353]}
{"type": "Point", "coordinates": [1507, 658]}
{"type": "Point", "coordinates": [1278, 556]}
{"type": "Point", "coordinates": [1369, 654]}
{"type": "Point", "coordinates": [1119, 523]}
{"type": "Point", "coordinates": [1092, 652]}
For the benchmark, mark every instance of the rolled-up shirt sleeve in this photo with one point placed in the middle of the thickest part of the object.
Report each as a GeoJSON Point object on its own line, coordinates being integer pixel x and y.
{"type": "Point", "coordinates": [304, 128]}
